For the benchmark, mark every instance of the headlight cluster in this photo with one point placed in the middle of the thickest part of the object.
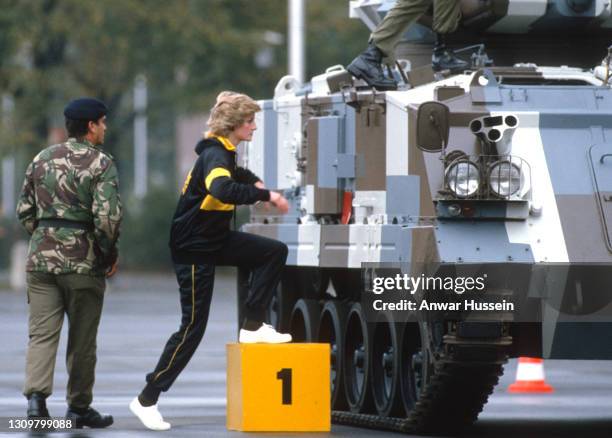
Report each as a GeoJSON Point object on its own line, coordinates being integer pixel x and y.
{"type": "Point", "coordinates": [464, 178]}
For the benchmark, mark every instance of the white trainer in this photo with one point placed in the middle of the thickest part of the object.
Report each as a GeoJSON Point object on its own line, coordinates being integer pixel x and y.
{"type": "Point", "coordinates": [149, 415]}
{"type": "Point", "coordinates": [264, 334]}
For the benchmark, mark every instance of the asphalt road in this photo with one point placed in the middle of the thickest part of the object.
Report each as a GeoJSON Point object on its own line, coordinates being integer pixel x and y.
{"type": "Point", "coordinates": [141, 311]}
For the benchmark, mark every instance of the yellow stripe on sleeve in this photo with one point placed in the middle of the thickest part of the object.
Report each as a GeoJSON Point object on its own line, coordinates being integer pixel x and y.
{"type": "Point", "coordinates": [213, 204]}
{"type": "Point", "coordinates": [215, 173]}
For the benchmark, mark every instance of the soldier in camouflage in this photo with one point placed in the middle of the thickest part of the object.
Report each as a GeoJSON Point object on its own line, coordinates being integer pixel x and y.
{"type": "Point", "coordinates": [70, 205]}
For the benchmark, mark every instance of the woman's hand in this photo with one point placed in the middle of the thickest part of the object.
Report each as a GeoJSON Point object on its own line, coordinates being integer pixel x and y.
{"type": "Point", "coordinates": [276, 199]}
{"type": "Point", "coordinates": [279, 202]}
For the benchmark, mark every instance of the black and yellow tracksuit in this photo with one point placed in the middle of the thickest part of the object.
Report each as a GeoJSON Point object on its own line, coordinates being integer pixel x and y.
{"type": "Point", "coordinates": [201, 239]}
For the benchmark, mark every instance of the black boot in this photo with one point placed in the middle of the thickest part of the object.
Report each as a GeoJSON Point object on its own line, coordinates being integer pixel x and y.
{"type": "Point", "coordinates": [444, 58]}
{"type": "Point", "coordinates": [37, 406]}
{"type": "Point", "coordinates": [88, 417]}
{"type": "Point", "coordinates": [367, 67]}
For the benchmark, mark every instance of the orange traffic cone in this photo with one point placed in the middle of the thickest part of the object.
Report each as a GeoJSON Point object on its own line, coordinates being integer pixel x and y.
{"type": "Point", "coordinates": [530, 376]}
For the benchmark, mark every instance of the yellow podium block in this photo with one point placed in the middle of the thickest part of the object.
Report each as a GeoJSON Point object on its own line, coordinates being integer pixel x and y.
{"type": "Point", "coordinates": [278, 387]}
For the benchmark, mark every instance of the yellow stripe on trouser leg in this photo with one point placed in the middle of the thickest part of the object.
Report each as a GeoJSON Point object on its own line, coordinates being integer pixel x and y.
{"type": "Point", "coordinates": [188, 327]}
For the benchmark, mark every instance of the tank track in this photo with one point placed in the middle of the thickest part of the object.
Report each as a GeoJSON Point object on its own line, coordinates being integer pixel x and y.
{"type": "Point", "coordinates": [454, 396]}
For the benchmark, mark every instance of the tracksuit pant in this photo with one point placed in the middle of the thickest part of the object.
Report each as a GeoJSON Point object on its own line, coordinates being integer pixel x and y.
{"type": "Point", "coordinates": [264, 257]}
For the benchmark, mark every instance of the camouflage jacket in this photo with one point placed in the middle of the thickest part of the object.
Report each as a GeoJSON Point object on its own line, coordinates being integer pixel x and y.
{"type": "Point", "coordinates": [74, 181]}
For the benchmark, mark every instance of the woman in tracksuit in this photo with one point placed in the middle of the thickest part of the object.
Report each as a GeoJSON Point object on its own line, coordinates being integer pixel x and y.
{"type": "Point", "coordinates": [201, 239]}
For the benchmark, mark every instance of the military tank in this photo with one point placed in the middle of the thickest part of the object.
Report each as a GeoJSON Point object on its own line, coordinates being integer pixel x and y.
{"type": "Point", "coordinates": [502, 172]}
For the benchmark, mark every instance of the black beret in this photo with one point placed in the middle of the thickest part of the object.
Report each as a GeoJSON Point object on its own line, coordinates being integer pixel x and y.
{"type": "Point", "coordinates": [85, 108]}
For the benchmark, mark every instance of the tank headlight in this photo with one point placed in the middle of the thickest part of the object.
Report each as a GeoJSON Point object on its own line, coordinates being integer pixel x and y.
{"type": "Point", "coordinates": [504, 178]}
{"type": "Point", "coordinates": [463, 178]}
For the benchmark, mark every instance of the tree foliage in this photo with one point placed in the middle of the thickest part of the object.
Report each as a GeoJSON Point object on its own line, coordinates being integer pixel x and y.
{"type": "Point", "coordinates": [54, 50]}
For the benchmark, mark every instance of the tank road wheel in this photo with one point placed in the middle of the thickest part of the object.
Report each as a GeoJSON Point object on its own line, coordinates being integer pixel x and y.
{"type": "Point", "coordinates": [305, 320]}
{"type": "Point", "coordinates": [331, 330]}
{"type": "Point", "coordinates": [414, 362]}
{"type": "Point", "coordinates": [445, 379]}
{"type": "Point", "coordinates": [281, 305]}
{"type": "Point", "coordinates": [357, 361]}
{"type": "Point", "coordinates": [386, 367]}
{"type": "Point", "coordinates": [444, 388]}
{"type": "Point", "coordinates": [312, 282]}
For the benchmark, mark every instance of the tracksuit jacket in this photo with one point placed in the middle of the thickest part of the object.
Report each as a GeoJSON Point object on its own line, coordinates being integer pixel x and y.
{"type": "Point", "coordinates": [211, 191]}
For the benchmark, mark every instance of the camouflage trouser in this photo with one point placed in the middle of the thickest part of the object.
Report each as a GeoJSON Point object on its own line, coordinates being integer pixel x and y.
{"type": "Point", "coordinates": [445, 20]}
{"type": "Point", "coordinates": [50, 296]}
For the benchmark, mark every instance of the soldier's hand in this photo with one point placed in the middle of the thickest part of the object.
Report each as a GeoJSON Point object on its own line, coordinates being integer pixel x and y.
{"type": "Point", "coordinates": [279, 201]}
{"type": "Point", "coordinates": [113, 270]}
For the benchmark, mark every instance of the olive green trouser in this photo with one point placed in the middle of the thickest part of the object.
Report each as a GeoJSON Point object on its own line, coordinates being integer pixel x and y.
{"type": "Point", "coordinates": [50, 296]}
{"type": "Point", "coordinates": [445, 20]}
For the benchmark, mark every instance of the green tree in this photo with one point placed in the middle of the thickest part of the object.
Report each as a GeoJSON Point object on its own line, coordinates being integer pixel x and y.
{"type": "Point", "coordinates": [54, 50]}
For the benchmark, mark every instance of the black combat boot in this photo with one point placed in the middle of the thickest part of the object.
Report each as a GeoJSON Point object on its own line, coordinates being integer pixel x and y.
{"type": "Point", "coordinates": [88, 417]}
{"type": "Point", "coordinates": [37, 406]}
{"type": "Point", "coordinates": [444, 58]}
{"type": "Point", "coordinates": [367, 67]}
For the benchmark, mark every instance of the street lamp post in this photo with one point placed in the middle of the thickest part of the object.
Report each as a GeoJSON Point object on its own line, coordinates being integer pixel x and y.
{"type": "Point", "coordinates": [297, 44]}
{"type": "Point", "coordinates": [140, 138]}
{"type": "Point", "coordinates": [8, 161]}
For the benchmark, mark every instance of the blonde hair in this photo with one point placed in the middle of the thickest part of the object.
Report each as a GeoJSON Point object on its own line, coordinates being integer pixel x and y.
{"type": "Point", "coordinates": [230, 111]}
